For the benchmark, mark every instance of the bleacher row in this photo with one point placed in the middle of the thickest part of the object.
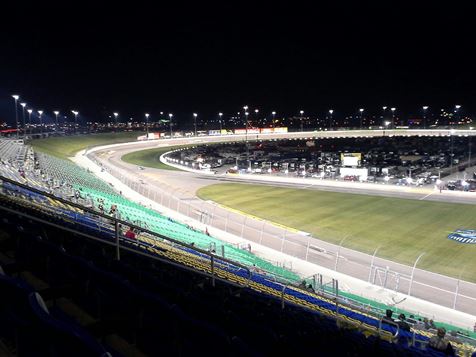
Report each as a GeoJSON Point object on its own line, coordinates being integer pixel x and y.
{"type": "Point", "coordinates": [12, 151]}
{"type": "Point", "coordinates": [89, 186]}
{"type": "Point", "coordinates": [351, 319]}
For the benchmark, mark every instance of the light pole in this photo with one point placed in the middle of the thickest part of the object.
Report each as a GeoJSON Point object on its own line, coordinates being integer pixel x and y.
{"type": "Point", "coordinates": [273, 114]}
{"type": "Point", "coordinates": [56, 112]}
{"type": "Point", "coordinates": [220, 116]}
{"type": "Point", "coordinates": [147, 125]}
{"type": "Point", "coordinates": [384, 108]}
{"type": "Point", "coordinates": [115, 119]}
{"type": "Point", "coordinates": [16, 97]}
{"type": "Point", "coordinates": [195, 123]}
{"type": "Point", "coordinates": [170, 124]}
{"type": "Point", "coordinates": [452, 131]}
{"type": "Point", "coordinates": [331, 111]}
{"type": "Point", "coordinates": [457, 108]}
{"type": "Point", "coordinates": [386, 126]}
{"type": "Point", "coordinates": [23, 105]}
{"type": "Point", "coordinates": [40, 112]}
{"type": "Point", "coordinates": [361, 110]}
{"type": "Point", "coordinates": [425, 108]}
{"type": "Point", "coordinates": [75, 119]}
{"type": "Point", "coordinates": [301, 112]}
{"type": "Point", "coordinates": [393, 117]}
{"type": "Point", "coordinates": [29, 118]}
{"type": "Point", "coordinates": [246, 134]}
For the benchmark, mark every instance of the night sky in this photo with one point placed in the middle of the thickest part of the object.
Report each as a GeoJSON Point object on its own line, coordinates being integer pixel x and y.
{"type": "Point", "coordinates": [132, 58]}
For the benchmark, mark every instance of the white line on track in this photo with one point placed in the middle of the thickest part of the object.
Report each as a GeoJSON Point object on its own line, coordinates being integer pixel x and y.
{"type": "Point", "coordinates": [421, 199]}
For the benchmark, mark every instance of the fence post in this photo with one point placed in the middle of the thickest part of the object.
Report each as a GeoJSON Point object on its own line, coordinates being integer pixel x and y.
{"type": "Point", "coordinates": [243, 226]}
{"type": "Point", "coordinates": [338, 251]}
{"type": "Point", "coordinates": [372, 262]}
{"type": "Point", "coordinates": [282, 297]}
{"type": "Point", "coordinates": [212, 262]}
{"type": "Point", "coordinates": [308, 245]}
{"type": "Point", "coordinates": [226, 221]}
{"type": "Point", "coordinates": [457, 287]}
{"type": "Point", "coordinates": [261, 233]}
{"type": "Point", "coordinates": [116, 229]}
{"type": "Point", "coordinates": [413, 273]}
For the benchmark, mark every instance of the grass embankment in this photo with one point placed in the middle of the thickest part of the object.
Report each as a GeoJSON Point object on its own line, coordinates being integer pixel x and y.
{"type": "Point", "coordinates": [67, 146]}
{"type": "Point", "coordinates": [403, 228]}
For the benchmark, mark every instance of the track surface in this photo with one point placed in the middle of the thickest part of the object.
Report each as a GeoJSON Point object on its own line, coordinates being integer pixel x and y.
{"type": "Point", "coordinates": [183, 185]}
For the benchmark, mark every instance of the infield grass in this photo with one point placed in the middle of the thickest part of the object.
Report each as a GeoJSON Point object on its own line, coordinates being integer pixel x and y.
{"type": "Point", "coordinates": [150, 158]}
{"type": "Point", "coordinates": [403, 228]}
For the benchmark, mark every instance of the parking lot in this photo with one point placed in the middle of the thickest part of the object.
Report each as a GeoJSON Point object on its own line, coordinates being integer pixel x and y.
{"type": "Point", "coordinates": [420, 161]}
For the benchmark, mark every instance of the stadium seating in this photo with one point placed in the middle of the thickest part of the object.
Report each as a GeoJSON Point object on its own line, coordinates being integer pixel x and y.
{"type": "Point", "coordinates": [145, 301]}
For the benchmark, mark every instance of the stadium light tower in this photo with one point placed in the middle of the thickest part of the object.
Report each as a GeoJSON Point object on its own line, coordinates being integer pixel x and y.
{"type": "Point", "coordinates": [457, 108]}
{"type": "Point", "coordinates": [425, 108]}
{"type": "Point", "coordinates": [331, 111]}
{"type": "Point", "coordinates": [170, 124]}
{"type": "Point", "coordinates": [361, 110]}
{"type": "Point", "coordinates": [116, 114]}
{"type": "Point", "coordinates": [56, 112]}
{"type": "Point", "coordinates": [147, 125]}
{"type": "Point", "coordinates": [301, 112]}
{"type": "Point", "coordinates": [384, 108]}
{"type": "Point", "coordinates": [195, 123]}
{"type": "Point", "coordinates": [23, 105]}
{"type": "Point", "coordinates": [452, 132]}
{"type": "Point", "coordinates": [273, 114]}
{"type": "Point", "coordinates": [29, 118]}
{"type": "Point", "coordinates": [393, 117]}
{"type": "Point", "coordinates": [40, 113]}
{"type": "Point", "coordinates": [16, 97]}
{"type": "Point", "coordinates": [75, 119]}
{"type": "Point", "coordinates": [220, 116]}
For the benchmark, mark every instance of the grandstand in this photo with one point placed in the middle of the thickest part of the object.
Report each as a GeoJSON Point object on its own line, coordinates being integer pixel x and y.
{"type": "Point", "coordinates": [69, 271]}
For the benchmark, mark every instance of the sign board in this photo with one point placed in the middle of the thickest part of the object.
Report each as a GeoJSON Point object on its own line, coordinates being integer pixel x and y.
{"type": "Point", "coordinates": [467, 236]}
{"type": "Point", "coordinates": [350, 158]}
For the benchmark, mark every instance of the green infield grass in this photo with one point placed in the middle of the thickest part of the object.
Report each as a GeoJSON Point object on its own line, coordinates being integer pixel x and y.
{"type": "Point", "coordinates": [403, 228]}
{"type": "Point", "coordinates": [149, 158]}
{"type": "Point", "coordinates": [67, 146]}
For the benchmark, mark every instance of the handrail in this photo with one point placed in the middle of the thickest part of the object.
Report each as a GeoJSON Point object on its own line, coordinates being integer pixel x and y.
{"type": "Point", "coordinates": [389, 323]}
{"type": "Point", "coordinates": [114, 219]}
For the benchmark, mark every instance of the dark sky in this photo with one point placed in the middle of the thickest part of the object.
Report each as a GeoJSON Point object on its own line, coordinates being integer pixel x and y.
{"type": "Point", "coordinates": [132, 58]}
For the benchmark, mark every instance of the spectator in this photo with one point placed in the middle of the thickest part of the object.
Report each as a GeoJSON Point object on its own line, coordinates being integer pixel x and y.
{"type": "Point", "coordinates": [402, 323]}
{"type": "Point", "coordinates": [474, 328]}
{"type": "Point", "coordinates": [388, 316]}
{"type": "Point", "coordinates": [130, 234]}
{"type": "Point", "coordinates": [440, 343]}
